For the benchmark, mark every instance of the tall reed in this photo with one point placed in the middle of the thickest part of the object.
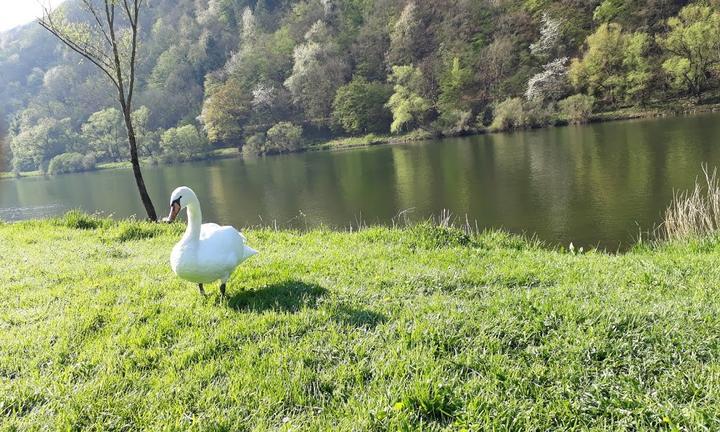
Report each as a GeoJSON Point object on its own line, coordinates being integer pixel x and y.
{"type": "Point", "coordinates": [695, 212]}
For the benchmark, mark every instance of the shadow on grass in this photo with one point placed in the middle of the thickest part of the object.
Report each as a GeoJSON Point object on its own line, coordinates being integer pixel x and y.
{"type": "Point", "coordinates": [288, 296]}
{"type": "Point", "coordinates": [361, 318]}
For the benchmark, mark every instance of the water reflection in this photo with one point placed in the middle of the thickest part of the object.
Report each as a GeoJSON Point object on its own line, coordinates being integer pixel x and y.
{"type": "Point", "coordinates": [592, 185]}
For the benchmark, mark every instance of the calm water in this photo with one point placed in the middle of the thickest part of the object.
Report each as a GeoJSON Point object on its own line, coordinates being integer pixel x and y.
{"type": "Point", "coordinates": [593, 185]}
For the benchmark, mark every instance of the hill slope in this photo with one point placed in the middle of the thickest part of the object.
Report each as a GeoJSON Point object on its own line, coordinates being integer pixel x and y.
{"type": "Point", "coordinates": [271, 76]}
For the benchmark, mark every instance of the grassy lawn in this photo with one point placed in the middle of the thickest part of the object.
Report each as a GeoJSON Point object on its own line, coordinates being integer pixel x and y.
{"type": "Point", "coordinates": [420, 328]}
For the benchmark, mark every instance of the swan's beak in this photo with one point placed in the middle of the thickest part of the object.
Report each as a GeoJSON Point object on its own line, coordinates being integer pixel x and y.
{"type": "Point", "coordinates": [174, 210]}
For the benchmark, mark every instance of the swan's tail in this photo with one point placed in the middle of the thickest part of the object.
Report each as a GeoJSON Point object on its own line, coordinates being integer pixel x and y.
{"type": "Point", "coordinates": [248, 252]}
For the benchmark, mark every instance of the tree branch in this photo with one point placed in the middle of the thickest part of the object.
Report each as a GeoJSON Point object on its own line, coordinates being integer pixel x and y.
{"type": "Point", "coordinates": [94, 13]}
{"type": "Point", "coordinates": [82, 50]}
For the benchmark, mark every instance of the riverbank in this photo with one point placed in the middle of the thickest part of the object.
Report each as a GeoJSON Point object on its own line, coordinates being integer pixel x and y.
{"type": "Point", "coordinates": [222, 153]}
{"type": "Point", "coordinates": [680, 107]}
{"type": "Point", "coordinates": [381, 329]}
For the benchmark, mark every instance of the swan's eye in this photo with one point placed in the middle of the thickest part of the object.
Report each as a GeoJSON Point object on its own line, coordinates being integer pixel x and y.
{"type": "Point", "coordinates": [177, 201]}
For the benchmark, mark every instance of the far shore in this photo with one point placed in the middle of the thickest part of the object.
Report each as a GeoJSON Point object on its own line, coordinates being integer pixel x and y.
{"type": "Point", "coordinates": [674, 108]}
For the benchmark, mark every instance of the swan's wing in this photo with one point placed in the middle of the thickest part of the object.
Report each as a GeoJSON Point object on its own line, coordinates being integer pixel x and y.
{"type": "Point", "coordinates": [209, 229]}
{"type": "Point", "coordinates": [221, 243]}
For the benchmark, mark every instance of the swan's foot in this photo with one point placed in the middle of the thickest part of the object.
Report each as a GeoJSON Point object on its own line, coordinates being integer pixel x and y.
{"type": "Point", "coordinates": [222, 289]}
{"type": "Point", "coordinates": [202, 290]}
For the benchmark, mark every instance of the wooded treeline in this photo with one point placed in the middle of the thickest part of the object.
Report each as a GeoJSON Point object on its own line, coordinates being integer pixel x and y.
{"type": "Point", "coordinates": [269, 76]}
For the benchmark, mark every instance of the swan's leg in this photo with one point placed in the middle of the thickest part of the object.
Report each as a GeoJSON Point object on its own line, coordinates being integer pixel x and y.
{"type": "Point", "coordinates": [202, 290]}
{"type": "Point", "coordinates": [223, 283]}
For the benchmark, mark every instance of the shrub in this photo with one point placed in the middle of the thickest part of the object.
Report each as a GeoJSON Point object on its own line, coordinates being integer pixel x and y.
{"type": "Point", "coordinates": [577, 108]}
{"type": "Point", "coordinates": [89, 161]}
{"type": "Point", "coordinates": [183, 143]}
{"type": "Point", "coordinates": [283, 137]}
{"type": "Point", "coordinates": [515, 113]}
{"type": "Point", "coordinates": [70, 162]}
{"type": "Point", "coordinates": [254, 145]}
{"type": "Point", "coordinates": [455, 122]}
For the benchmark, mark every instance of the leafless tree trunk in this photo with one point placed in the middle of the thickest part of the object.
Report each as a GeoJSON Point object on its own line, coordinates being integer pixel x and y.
{"type": "Point", "coordinates": [99, 43]}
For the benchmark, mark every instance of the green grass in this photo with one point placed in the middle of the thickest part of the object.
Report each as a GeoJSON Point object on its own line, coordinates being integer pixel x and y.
{"type": "Point", "coordinates": [420, 328]}
{"type": "Point", "coordinates": [370, 140]}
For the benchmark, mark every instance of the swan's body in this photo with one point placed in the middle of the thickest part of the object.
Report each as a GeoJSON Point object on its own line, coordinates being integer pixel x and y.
{"type": "Point", "coordinates": [206, 252]}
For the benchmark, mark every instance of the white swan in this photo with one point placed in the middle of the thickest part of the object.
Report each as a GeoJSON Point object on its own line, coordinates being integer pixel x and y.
{"type": "Point", "coordinates": [207, 252]}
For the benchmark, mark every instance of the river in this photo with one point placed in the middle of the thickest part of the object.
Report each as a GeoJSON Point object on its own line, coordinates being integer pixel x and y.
{"type": "Point", "coordinates": [594, 185]}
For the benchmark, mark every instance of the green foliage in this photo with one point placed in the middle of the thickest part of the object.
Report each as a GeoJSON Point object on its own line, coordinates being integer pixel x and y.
{"type": "Point", "coordinates": [516, 113]}
{"type": "Point", "coordinates": [71, 162]}
{"type": "Point", "coordinates": [105, 134]}
{"type": "Point", "coordinates": [406, 104]}
{"type": "Point", "coordinates": [407, 36]}
{"type": "Point", "coordinates": [692, 44]}
{"type": "Point", "coordinates": [283, 137]}
{"type": "Point", "coordinates": [640, 70]}
{"type": "Point", "coordinates": [577, 108]}
{"type": "Point", "coordinates": [242, 66]}
{"type": "Point", "coordinates": [608, 10]}
{"type": "Point", "coordinates": [614, 67]}
{"type": "Point", "coordinates": [183, 143]}
{"type": "Point", "coordinates": [254, 145]}
{"type": "Point", "coordinates": [318, 71]}
{"type": "Point", "coordinates": [359, 107]}
{"type": "Point", "coordinates": [34, 146]}
{"type": "Point", "coordinates": [455, 109]}
{"type": "Point", "coordinates": [225, 111]}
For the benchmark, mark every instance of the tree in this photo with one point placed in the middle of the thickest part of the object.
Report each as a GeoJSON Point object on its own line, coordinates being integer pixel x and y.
{"type": "Point", "coordinates": [147, 140]}
{"type": "Point", "coordinates": [4, 149]}
{"type": "Point", "coordinates": [34, 146]}
{"type": "Point", "coordinates": [318, 70]}
{"type": "Point", "coordinates": [639, 70]}
{"type": "Point", "coordinates": [406, 104]}
{"type": "Point", "coordinates": [452, 85]}
{"type": "Point", "coordinates": [225, 112]}
{"type": "Point", "coordinates": [550, 84]}
{"type": "Point", "coordinates": [693, 45]}
{"type": "Point", "coordinates": [183, 143]}
{"type": "Point", "coordinates": [110, 42]}
{"type": "Point", "coordinates": [406, 39]}
{"type": "Point", "coordinates": [614, 66]}
{"type": "Point", "coordinates": [600, 69]}
{"type": "Point", "coordinates": [102, 131]}
{"type": "Point", "coordinates": [550, 34]}
{"type": "Point", "coordinates": [453, 103]}
{"type": "Point", "coordinates": [359, 106]}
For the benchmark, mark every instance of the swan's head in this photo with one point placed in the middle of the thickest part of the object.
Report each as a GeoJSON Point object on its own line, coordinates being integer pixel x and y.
{"type": "Point", "coordinates": [180, 199]}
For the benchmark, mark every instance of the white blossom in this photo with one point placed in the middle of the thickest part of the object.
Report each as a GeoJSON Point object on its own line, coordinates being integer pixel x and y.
{"type": "Point", "coordinates": [263, 95]}
{"type": "Point", "coordinates": [248, 24]}
{"type": "Point", "coordinates": [549, 36]}
{"type": "Point", "coordinates": [551, 83]}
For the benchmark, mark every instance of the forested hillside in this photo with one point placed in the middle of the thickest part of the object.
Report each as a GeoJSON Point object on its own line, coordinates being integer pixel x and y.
{"type": "Point", "coordinates": [269, 76]}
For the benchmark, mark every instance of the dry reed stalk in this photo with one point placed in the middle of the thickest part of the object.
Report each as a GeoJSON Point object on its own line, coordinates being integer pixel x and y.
{"type": "Point", "coordinates": [696, 212]}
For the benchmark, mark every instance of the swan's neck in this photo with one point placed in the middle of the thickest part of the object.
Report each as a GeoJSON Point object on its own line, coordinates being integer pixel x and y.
{"type": "Point", "coordinates": [194, 221]}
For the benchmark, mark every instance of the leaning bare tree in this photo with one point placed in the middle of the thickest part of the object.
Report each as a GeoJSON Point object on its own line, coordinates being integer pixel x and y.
{"type": "Point", "coordinates": [109, 40]}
